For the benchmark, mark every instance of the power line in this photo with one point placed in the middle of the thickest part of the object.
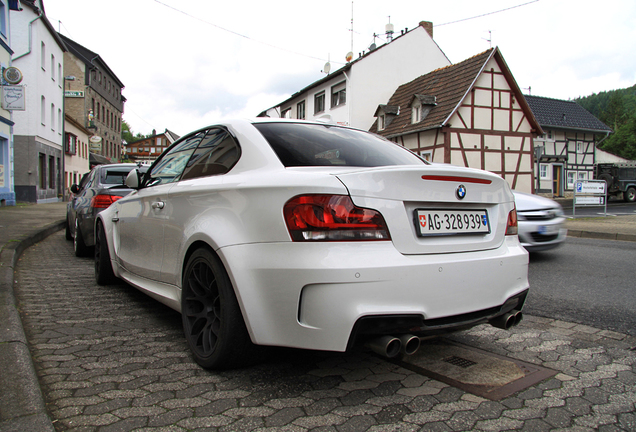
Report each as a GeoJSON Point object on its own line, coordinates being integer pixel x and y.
{"type": "Point", "coordinates": [238, 34]}
{"type": "Point", "coordinates": [489, 13]}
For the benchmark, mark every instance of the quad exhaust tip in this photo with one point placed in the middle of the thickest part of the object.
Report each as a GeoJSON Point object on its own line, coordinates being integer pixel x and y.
{"type": "Point", "coordinates": [391, 346]}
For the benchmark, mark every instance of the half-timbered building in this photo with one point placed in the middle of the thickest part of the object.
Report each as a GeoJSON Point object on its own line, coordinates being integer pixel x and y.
{"type": "Point", "coordinates": [469, 114]}
{"type": "Point", "coordinates": [566, 150]}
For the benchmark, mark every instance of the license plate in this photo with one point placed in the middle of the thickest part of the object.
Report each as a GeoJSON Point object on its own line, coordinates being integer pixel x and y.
{"type": "Point", "coordinates": [548, 229]}
{"type": "Point", "coordinates": [447, 222]}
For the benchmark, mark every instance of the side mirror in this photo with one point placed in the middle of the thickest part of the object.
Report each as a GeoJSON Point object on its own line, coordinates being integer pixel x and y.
{"type": "Point", "coordinates": [75, 189]}
{"type": "Point", "coordinates": [132, 179]}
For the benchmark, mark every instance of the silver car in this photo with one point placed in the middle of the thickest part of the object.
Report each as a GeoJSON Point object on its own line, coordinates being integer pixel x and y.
{"type": "Point", "coordinates": [97, 190]}
{"type": "Point", "coordinates": [541, 222]}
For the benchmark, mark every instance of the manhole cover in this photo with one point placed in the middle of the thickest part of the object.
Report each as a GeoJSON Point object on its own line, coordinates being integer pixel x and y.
{"type": "Point", "coordinates": [473, 370]}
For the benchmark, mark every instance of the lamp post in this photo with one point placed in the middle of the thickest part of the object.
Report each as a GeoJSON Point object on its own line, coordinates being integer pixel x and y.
{"type": "Point", "coordinates": [66, 78]}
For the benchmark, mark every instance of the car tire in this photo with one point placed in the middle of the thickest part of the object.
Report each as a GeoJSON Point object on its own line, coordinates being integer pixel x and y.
{"type": "Point", "coordinates": [103, 267]}
{"type": "Point", "coordinates": [81, 250]}
{"type": "Point", "coordinates": [67, 233]}
{"type": "Point", "coordinates": [212, 321]}
{"type": "Point", "coordinates": [630, 194]}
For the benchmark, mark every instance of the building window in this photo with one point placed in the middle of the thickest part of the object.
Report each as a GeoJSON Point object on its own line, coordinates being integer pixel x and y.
{"type": "Point", "coordinates": [43, 56]}
{"type": "Point", "coordinates": [3, 19]}
{"type": "Point", "coordinates": [319, 102]}
{"type": "Point", "coordinates": [579, 147]}
{"type": "Point", "coordinates": [52, 117]}
{"type": "Point", "coordinates": [59, 121]}
{"type": "Point", "coordinates": [59, 74]}
{"type": "Point", "coordinates": [571, 176]}
{"type": "Point", "coordinates": [416, 113]}
{"type": "Point", "coordinates": [286, 113]}
{"type": "Point", "coordinates": [543, 168]}
{"type": "Point", "coordinates": [426, 155]}
{"type": "Point", "coordinates": [338, 94]}
{"type": "Point", "coordinates": [582, 175]}
{"type": "Point", "coordinates": [51, 172]}
{"type": "Point", "coordinates": [98, 110]}
{"type": "Point", "coordinates": [52, 67]}
{"type": "Point", "coordinates": [42, 171]}
{"type": "Point", "coordinates": [71, 144]}
{"type": "Point", "coordinates": [300, 110]}
{"type": "Point", "coordinates": [381, 122]}
{"type": "Point", "coordinates": [43, 110]}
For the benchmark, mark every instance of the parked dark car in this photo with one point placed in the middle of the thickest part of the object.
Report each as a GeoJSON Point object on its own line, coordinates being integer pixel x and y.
{"type": "Point", "coordinates": [97, 190]}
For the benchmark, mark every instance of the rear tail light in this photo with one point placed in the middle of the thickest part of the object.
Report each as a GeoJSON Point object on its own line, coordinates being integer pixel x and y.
{"type": "Point", "coordinates": [332, 218]}
{"type": "Point", "coordinates": [511, 226]}
{"type": "Point", "coordinates": [103, 201]}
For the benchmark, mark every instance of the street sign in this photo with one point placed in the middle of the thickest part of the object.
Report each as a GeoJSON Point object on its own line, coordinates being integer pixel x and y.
{"type": "Point", "coordinates": [590, 200]}
{"type": "Point", "coordinates": [590, 193]}
{"type": "Point", "coordinates": [72, 93]}
{"type": "Point", "coordinates": [590, 187]}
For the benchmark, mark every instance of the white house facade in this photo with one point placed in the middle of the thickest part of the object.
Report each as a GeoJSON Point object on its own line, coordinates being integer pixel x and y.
{"type": "Point", "coordinates": [350, 95]}
{"type": "Point", "coordinates": [38, 130]}
{"type": "Point", "coordinates": [7, 192]}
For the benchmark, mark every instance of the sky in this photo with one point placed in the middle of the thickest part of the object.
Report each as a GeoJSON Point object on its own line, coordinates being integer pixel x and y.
{"type": "Point", "coordinates": [189, 64]}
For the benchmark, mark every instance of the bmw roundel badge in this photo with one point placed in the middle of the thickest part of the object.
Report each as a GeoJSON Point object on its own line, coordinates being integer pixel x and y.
{"type": "Point", "coordinates": [461, 192]}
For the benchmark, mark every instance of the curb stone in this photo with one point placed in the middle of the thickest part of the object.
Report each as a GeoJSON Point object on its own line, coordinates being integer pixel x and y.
{"type": "Point", "coordinates": [22, 405]}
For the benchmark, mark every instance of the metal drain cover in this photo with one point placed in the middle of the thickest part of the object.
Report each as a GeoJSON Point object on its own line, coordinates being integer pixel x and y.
{"type": "Point", "coordinates": [473, 370]}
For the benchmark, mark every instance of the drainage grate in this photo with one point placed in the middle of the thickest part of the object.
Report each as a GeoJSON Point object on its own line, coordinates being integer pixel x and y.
{"type": "Point", "coordinates": [458, 361]}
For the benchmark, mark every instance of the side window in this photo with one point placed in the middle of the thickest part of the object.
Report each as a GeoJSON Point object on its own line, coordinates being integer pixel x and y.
{"type": "Point", "coordinates": [217, 153]}
{"type": "Point", "coordinates": [168, 169]}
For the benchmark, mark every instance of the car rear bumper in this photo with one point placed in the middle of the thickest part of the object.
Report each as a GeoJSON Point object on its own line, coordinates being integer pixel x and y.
{"type": "Point", "coordinates": [312, 295]}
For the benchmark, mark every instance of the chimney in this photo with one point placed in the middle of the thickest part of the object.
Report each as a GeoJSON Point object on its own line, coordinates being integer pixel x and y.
{"type": "Point", "coordinates": [428, 26]}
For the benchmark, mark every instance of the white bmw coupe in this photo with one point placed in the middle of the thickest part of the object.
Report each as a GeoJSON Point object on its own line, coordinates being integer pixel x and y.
{"type": "Point", "coordinates": [316, 236]}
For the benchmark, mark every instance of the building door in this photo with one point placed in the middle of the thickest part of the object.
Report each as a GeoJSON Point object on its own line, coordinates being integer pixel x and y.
{"type": "Point", "coordinates": [557, 180]}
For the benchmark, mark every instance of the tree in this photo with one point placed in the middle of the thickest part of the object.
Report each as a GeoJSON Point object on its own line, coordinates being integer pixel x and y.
{"type": "Point", "coordinates": [623, 142]}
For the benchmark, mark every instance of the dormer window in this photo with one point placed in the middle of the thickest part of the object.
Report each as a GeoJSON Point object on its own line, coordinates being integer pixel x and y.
{"type": "Point", "coordinates": [421, 105]}
{"type": "Point", "coordinates": [385, 115]}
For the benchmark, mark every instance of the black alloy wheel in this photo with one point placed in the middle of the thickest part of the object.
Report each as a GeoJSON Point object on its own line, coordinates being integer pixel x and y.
{"type": "Point", "coordinates": [212, 319]}
{"type": "Point", "coordinates": [103, 268]}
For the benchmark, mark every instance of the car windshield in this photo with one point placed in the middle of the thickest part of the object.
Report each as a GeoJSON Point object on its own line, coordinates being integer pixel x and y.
{"type": "Point", "coordinates": [299, 144]}
{"type": "Point", "coordinates": [115, 176]}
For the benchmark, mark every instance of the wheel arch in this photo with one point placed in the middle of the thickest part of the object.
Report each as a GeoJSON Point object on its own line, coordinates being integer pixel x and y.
{"type": "Point", "coordinates": [201, 244]}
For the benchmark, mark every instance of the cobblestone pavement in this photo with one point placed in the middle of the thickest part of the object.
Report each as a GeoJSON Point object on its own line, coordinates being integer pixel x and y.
{"type": "Point", "coordinates": [112, 359]}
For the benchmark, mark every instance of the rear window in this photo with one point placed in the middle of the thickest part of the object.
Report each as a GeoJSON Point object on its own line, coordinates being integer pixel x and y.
{"type": "Point", "coordinates": [299, 144]}
{"type": "Point", "coordinates": [115, 176]}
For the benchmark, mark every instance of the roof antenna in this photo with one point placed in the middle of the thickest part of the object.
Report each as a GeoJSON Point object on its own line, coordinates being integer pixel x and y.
{"type": "Point", "coordinates": [489, 40]}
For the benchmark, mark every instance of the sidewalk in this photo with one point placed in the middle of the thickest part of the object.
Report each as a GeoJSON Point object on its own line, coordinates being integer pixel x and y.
{"type": "Point", "coordinates": [21, 401]}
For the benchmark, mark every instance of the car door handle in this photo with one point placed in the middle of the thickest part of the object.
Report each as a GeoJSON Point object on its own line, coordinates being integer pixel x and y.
{"type": "Point", "coordinates": [158, 205]}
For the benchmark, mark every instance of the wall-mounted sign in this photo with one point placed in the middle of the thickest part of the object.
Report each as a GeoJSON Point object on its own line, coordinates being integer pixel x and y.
{"type": "Point", "coordinates": [12, 75]}
{"type": "Point", "coordinates": [72, 93]}
{"type": "Point", "coordinates": [95, 143]}
{"type": "Point", "coordinates": [13, 98]}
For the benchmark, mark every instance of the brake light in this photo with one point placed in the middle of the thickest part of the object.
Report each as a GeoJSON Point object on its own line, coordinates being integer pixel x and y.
{"type": "Point", "coordinates": [511, 226]}
{"type": "Point", "coordinates": [103, 201]}
{"type": "Point", "coordinates": [332, 218]}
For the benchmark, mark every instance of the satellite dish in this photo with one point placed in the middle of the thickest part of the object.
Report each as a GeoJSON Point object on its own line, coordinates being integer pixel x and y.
{"type": "Point", "coordinates": [12, 75]}
{"type": "Point", "coordinates": [327, 68]}
{"type": "Point", "coordinates": [372, 47]}
{"type": "Point", "coordinates": [349, 56]}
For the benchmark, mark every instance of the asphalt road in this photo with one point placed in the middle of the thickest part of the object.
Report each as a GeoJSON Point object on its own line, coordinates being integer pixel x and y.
{"type": "Point", "coordinates": [586, 281]}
